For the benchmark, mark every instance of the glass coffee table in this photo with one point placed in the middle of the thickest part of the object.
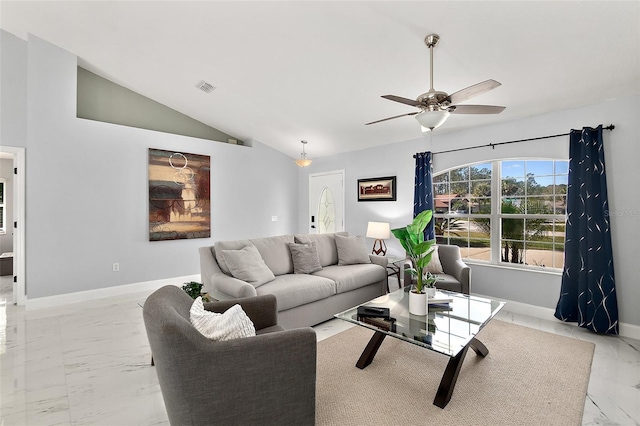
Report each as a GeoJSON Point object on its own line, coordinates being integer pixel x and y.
{"type": "Point", "coordinates": [448, 329]}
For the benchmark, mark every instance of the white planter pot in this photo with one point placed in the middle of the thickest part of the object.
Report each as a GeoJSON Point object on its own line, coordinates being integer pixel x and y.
{"type": "Point", "coordinates": [431, 292]}
{"type": "Point", "coordinates": [417, 303]}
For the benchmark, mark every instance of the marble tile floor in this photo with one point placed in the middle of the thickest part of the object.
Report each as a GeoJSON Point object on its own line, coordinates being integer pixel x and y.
{"type": "Point", "coordinates": [89, 364]}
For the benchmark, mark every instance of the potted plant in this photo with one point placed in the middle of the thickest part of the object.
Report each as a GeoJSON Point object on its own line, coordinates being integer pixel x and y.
{"type": "Point", "coordinates": [194, 289]}
{"type": "Point", "coordinates": [429, 282]}
{"type": "Point", "coordinates": [419, 251]}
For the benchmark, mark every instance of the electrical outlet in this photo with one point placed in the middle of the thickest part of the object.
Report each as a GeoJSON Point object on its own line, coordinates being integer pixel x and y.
{"type": "Point", "coordinates": [116, 267]}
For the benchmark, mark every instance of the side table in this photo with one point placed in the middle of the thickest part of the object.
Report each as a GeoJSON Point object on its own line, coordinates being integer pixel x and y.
{"type": "Point", "coordinates": [393, 268]}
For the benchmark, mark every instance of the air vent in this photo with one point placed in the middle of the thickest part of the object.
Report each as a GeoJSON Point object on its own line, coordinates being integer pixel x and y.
{"type": "Point", "coordinates": [205, 87]}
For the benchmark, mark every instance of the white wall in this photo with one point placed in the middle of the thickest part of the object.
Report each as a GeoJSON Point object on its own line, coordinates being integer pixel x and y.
{"type": "Point", "coordinates": [87, 190]}
{"type": "Point", "coordinates": [622, 154]}
{"type": "Point", "coordinates": [13, 124]}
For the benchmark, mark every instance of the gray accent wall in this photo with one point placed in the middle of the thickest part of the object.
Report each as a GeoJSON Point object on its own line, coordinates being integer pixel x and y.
{"type": "Point", "coordinates": [87, 181]}
{"type": "Point", "coordinates": [103, 100]}
{"type": "Point", "coordinates": [539, 288]}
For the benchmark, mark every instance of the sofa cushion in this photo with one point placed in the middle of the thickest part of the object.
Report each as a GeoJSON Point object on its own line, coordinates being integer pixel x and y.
{"type": "Point", "coordinates": [448, 282]}
{"type": "Point", "coordinates": [227, 245]}
{"type": "Point", "coordinates": [293, 290]}
{"type": "Point", "coordinates": [351, 277]}
{"type": "Point", "coordinates": [305, 258]}
{"type": "Point", "coordinates": [351, 250]}
{"type": "Point", "coordinates": [234, 323]}
{"type": "Point", "coordinates": [326, 243]}
{"type": "Point", "coordinates": [247, 265]}
{"type": "Point", "coordinates": [434, 266]}
{"type": "Point", "coordinates": [275, 253]}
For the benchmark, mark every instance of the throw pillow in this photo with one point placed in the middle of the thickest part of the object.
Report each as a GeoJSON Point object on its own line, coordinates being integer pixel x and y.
{"type": "Point", "coordinates": [302, 239]}
{"type": "Point", "coordinates": [234, 323]}
{"type": "Point", "coordinates": [435, 266]}
{"type": "Point", "coordinates": [247, 265]}
{"type": "Point", "coordinates": [305, 258]}
{"type": "Point", "coordinates": [351, 250]}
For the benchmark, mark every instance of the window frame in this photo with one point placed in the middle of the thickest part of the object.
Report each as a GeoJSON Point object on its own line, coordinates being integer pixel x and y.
{"type": "Point", "coordinates": [496, 216]}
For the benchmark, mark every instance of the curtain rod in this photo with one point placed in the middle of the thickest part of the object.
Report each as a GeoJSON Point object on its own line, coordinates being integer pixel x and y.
{"type": "Point", "coordinates": [493, 145]}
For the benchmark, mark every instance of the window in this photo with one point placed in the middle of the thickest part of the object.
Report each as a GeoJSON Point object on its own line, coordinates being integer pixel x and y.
{"type": "Point", "coordinates": [504, 212]}
{"type": "Point", "coordinates": [3, 213]}
{"type": "Point", "coordinates": [326, 212]}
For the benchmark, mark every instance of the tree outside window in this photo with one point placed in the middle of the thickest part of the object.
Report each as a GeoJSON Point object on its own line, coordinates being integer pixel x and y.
{"type": "Point", "coordinates": [528, 213]}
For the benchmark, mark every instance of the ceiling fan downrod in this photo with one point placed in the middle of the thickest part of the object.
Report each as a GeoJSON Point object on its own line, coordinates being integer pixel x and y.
{"type": "Point", "coordinates": [431, 40]}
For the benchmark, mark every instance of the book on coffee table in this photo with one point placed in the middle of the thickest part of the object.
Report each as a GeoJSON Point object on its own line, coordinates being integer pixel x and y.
{"type": "Point", "coordinates": [440, 298]}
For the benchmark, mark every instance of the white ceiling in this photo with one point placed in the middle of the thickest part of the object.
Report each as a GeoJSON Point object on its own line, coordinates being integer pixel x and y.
{"type": "Point", "coordinates": [292, 70]}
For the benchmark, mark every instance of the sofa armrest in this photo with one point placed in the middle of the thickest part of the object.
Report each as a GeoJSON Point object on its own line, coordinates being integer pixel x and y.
{"type": "Point", "coordinates": [214, 279]}
{"type": "Point", "coordinates": [379, 260]}
{"type": "Point", "coordinates": [462, 272]}
{"type": "Point", "coordinates": [232, 286]}
{"type": "Point", "coordinates": [262, 310]}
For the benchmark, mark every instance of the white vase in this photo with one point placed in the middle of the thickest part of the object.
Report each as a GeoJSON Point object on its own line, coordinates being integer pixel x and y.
{"type": "Point", "coordinates": [417, 303]}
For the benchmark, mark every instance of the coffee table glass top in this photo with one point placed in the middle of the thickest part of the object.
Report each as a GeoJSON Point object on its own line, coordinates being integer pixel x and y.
{"type": "Point", "coordinates": [445, 329]}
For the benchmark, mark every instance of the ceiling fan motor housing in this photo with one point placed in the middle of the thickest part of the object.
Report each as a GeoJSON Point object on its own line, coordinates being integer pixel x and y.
{"type": "Point", "coordinates": [433, 100]}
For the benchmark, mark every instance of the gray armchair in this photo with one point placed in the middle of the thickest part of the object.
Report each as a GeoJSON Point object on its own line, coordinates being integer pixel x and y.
{"type": "Point", "coordinates": [266, 379]}
{"type": "Point", "coordinates": [457, 275]}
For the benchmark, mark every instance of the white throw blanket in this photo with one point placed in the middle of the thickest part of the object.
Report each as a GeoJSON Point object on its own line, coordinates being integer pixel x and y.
{"type": "Point", "coordinates": [234, 323]}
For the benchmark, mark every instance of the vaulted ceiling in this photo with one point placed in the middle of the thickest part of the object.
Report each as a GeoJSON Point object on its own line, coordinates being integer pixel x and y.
{"type": "Point", "coordinates": [292, 70]}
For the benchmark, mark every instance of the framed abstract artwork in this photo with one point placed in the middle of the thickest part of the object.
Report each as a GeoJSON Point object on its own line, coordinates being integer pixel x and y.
{"type": "Point", "coordinates": [377, 189]}
{"type": "Point", "coordinates": [179, 195]}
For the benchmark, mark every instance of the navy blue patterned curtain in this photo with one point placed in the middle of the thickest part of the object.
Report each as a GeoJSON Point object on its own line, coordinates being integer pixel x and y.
{"type": "Point", "coordinates": [588, 294]}
{"type": "Point", "coordinates": [423, 190]}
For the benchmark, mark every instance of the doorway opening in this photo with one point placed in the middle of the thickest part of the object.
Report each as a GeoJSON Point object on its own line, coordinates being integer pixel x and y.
{"type": "Point", "coordinates": [12, 238]}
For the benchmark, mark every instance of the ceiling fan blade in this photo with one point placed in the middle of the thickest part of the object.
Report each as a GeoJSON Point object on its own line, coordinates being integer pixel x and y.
{"type": "Point", "coordinates": [402, 100]}
{"type": "Point", "coordinates": [471, 91]}
{"type": "Point", "coordinates": [476, 109]}
{"type": "Point", "coordinates": [391, 118]}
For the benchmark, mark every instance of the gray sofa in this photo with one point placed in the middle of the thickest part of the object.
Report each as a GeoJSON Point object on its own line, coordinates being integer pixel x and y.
{"type": "Point", "coordinates": [303, 299]}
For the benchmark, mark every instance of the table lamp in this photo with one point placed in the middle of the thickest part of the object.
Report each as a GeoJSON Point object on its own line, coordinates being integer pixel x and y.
{"type": "Point", "coordinates": [380, 231]}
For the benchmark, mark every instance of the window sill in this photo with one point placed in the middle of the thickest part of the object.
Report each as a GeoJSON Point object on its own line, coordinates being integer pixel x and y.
{"type": "Point", "coordinates": [534, 269]}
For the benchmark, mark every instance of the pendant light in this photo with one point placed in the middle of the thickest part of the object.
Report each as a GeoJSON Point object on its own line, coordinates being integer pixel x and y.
{"type": "Point", "coordinates": [303, 161]}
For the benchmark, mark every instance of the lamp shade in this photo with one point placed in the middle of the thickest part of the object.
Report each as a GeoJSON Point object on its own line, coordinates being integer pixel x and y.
{"type": "Point", "coordinates": [432, 119]}
{"type": "Point", "coordinates": [378, 230]}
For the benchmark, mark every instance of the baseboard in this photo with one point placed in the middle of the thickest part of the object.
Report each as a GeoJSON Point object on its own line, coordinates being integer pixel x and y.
{"type": "Point", "coordinates": [101, 293]}
{"type": "Point", "coordinates": [626, 330]}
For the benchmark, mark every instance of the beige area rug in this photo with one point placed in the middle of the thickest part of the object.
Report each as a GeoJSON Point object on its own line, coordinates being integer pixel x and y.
{"type": "Point", "coordinates": [529, 378]}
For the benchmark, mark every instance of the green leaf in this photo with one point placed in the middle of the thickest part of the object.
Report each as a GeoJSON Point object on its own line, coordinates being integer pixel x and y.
{"type": "Point", "coordinates": [422, 219]}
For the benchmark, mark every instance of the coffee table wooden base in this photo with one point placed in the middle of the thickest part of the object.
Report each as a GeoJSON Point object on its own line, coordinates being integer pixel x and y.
{"type": "Point", "coordinates": [450, 376]}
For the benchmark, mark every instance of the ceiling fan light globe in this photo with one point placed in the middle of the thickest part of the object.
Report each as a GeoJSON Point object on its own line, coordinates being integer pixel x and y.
{"type": "Point", "coordinates": [430, 120]}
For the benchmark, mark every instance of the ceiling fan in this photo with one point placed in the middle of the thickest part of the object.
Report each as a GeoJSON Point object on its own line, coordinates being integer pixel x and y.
{"type": "Point", "coordinates": [435, 106]}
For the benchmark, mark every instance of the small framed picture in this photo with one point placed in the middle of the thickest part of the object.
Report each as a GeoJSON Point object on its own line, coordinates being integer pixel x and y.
{"type": "Point", "coordinates": [377, 189]}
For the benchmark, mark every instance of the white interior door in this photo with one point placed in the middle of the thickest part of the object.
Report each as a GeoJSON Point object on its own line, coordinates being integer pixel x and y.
{"type": "Point", "coordinates": [326, 202]}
